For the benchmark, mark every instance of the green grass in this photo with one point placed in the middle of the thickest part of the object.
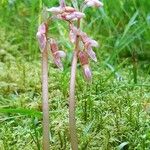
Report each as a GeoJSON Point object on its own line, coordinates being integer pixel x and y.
{"type": "Point", "coordinates": [113, 111]}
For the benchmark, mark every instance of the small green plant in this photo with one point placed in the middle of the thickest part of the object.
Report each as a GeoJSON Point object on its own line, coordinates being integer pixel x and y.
{"type": "Point", "coordinates": [83, 45]}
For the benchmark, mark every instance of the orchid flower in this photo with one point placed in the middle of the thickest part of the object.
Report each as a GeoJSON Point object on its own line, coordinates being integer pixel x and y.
{"type": "Point", "coordinates": [83, 58]}
{"type": "Point", "coordinates": [88, 44]}
{"type": "Point", "coordinates": [41, 36]}
{"type": "Point", "coordinates": [56, 53]}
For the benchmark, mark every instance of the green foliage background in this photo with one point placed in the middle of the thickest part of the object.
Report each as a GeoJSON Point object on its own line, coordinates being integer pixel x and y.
{"type": "Point", "coordinates": [112, 112]}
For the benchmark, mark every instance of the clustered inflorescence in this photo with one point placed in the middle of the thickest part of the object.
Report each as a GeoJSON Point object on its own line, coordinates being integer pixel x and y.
{"type": "Point", "coordinates": [70, 15]}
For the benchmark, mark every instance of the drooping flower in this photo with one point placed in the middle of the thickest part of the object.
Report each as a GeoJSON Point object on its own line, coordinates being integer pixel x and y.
{"type": "Point", "coordinates": [56, 53]}
{"type": "Point", "coordinates": [93, 3]}
{"type": "Point", "coordinates": [83, 58]}
{"type": "Point", "coordinates": [88, 44]}
{"type": "Point", "coordinates": [41, 36]}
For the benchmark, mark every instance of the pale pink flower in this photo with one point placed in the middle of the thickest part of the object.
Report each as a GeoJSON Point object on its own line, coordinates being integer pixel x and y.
{"type": "Point", "coordinates": [56, 53]}
{"type": "Point", "coordinates": [93, 3]}
{"type": "Point", "coordinates": [82, 55]}
{"type": "Point", "coordinates": [87, 40]}
{"type": "Point", "coordinates": [88, 44]}
{"type": "Point", "coordinates": [41, 36]}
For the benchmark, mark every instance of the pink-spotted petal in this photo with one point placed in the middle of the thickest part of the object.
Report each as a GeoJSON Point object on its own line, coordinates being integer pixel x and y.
{"type": "Point", "coordinates": [87, 72]}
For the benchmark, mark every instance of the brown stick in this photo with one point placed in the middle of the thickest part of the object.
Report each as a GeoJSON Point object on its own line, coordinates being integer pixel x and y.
{"type": "Point", "coordinates": [45, 100]}
{"type": "Point", "coordinates": [72, 121]}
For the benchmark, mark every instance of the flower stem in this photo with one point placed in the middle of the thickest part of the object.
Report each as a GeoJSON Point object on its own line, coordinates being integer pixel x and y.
{"type": "Point", "coordinates": [72, 121]}
{"type": "Point", "coordinates": [45, 100]}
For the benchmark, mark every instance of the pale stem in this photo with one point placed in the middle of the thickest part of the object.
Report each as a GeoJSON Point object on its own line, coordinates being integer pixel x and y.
{"type": "Point", "coordinates": [45, 106]}
{"type": "Point", "coordinates": [72, 121]}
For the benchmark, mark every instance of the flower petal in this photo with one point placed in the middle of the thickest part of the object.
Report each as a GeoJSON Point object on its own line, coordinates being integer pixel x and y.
{"type": "Point", "coordinates": [93, 43]}
{"type": "Point", "coordinates": [42, 41]}
{"type": "Point", "coordinates": [58, 63]}
{"type": "Point", "coordinates": [87, 72]}
{"type": "Point", "coordinates": [69, 9]}
{"type": "Point", "coordinates": [93, 3]}
{"type": "Point", "coordinates": [91, 53]}
{"type": "Point", "coordinates": [53, 45]}
{"type": "Point", "coordinates": [60, 54]}
{"type": "Point", "coordinates": [55, 10]}
{"type": "Point", "coordinates": [42, 29]}
{"type": "Point", "coordinates": [74, 16]}
{"type": "Point", "coordinates": [82, 55]}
